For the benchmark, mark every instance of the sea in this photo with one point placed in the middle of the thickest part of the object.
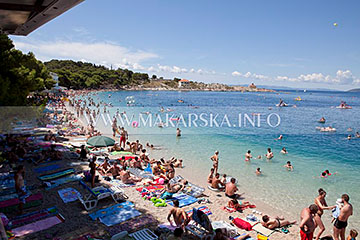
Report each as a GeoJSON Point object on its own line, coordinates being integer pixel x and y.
{"type": "Point", "coordinates": [235, 122]}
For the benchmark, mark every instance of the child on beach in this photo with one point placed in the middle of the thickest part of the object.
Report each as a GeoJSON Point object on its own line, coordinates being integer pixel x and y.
{"type": "Point", "coordinates": [223, 179]}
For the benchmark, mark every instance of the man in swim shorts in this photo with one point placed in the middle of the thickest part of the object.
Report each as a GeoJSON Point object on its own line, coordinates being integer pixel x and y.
{"type": "Point", "coordinates": [307, 223]}
{"type": "Point", "coordinates": [341, 222]}
{"type": "Point", "coordinates": [179, 215]}
{"type": "Point", "coordinates": [231, 188]}
{"type": "Point", "coordinates": [123, 137]}
{"type": "Point", "coordinates": [20, 187]}
{"type": "Point", "coordinates": [216, 183]}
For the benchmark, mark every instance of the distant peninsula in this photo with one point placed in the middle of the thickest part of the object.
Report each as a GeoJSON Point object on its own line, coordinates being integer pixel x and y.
{"type": "Point", "coordinates": [354, 90]}
{"type": "Point", "coordinates": [82, 75]}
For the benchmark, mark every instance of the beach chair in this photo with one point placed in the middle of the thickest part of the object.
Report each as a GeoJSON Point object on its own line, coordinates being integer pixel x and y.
{"type": "Point", "coordinates": [140, 174]}
{"type": "Point", "coordinates": [90, 200]}
{"type": "Point", "coordinates": [200, 225]}
{"type": "Point", "coordinates": [190, 189]}
{"type": "Point", "coordinates": [144, 234]}
{"type": "Point", "coordinates": [228, 230]}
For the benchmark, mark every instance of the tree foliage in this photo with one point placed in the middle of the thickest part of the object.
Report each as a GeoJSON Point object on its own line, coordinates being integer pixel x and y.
{"type": "Point", "coordinates": [80, 75]}
{"type": "Point", "coordinates": [20, 74]}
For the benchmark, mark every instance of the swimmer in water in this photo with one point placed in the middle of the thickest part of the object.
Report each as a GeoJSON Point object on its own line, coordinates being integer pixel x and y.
{"type": "Point", "coordinates": [357, 135]}
{"type": "Point", "coordinates": [269, 154]}
{"type": "Point", "coordinates": [288, 166]}
{"type": "Point", "coordinates": [258, 172]}
{"type": "Point", "coordinates": [284, 151]}
{"type": "Point", "coordinates": [349, 137]}
{"type": "Point", "coordinates": [280, 137]}
{"type": "Point", "coordinates": [248, 156]}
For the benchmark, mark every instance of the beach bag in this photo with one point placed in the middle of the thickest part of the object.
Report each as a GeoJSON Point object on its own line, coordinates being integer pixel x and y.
{"type": "Point", "coordinates": [242, 224]}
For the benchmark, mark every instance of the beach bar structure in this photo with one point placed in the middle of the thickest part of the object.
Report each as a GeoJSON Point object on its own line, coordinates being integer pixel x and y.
{"type": "Point", "coordinates": [21, 17]}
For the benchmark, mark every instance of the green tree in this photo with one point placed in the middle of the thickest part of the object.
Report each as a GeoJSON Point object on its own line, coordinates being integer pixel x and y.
{"type": "Point", "coordinates": [20, 74]}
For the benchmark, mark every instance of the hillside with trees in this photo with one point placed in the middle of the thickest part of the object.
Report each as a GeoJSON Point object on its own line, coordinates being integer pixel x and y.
{"type": "Point", "coordinates": [80, 75]}
{"type": "Point", "coordinates": [20, 74]}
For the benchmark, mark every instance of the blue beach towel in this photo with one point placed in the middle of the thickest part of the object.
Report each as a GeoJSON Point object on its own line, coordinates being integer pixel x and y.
{"type": "Point", "coordinates": [55, 183]}
{"type": "Point", "coordinates": [184, 200]}
{"type": "Point", "coordinates": [121, 216]}
{"type": "Point", "coordinates": [110, 210]}
{"type": "Point", "coordinates": [46, 168]}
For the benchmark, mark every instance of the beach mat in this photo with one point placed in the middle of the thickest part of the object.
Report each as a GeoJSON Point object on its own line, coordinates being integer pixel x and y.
{"type": "Point", "coordinates": [33, 216]}
{"type": "Point", "coordinates": [152, 188]}
{"type": "Point", "coordinates": [69, 195]}
{"type": "Point", "coordinates": [135, 223]}
{"type": "Point", "coordinates": [55, 175]}
{"type": "Point", "coordinates": [37, 226]}
{"type": "Point", "coordinates": [121, 153]}
{"type": "Point", "coordinates": [55, 183]}
{"type": "Point", "coordinates": [120, 216]}
{"type": "Point", "coordinates": [259, 228]}
{"type": "Point", "coordinates": [204, 209]}
{"type": "Point", "coordinates": [15, 201]}
{"type": "Point", "coordinates": [120, 184]}
{"type": "Point", "coordinates": [46, 168]}
{"type": "Point", "coordinates": [184, 200]}
{"type": "Point", "coordinates": [110, 210]}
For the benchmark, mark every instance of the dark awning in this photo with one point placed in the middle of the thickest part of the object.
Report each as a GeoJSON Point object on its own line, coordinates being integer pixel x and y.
{"type": "Point", "coordinates": [21, 17]}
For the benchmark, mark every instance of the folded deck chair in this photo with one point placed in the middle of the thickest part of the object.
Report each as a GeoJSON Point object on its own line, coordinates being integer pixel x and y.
{"type": "Point", "coordinates": [90, 200]}
{"type": "Point", "coordinates": [228, 230]}
{"type": "Point", "coordinates": [144, 234]}
{"type": "Point", "coordinates": [201, 225]}
{"type": "Point", "coordinates": [140, 174]}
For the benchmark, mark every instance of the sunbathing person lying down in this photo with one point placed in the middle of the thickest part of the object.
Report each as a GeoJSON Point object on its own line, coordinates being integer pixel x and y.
{"type": "Point", "coordinates": [277, 222]}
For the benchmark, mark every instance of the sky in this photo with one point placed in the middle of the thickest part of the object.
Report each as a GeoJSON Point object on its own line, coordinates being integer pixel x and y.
{"type": "Point", "coordinates": [275, 43]}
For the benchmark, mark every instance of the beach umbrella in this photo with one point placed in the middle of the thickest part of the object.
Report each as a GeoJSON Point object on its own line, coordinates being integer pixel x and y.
{"type": "Point", "coordinates": [100, 141]}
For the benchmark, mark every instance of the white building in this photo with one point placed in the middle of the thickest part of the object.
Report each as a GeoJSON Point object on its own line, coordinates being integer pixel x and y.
{"type": "Point", "coordinates": [183, 83]}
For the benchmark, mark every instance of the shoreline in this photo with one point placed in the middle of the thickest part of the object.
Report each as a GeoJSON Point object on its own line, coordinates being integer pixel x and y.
{"type": "Point", "coordinates": [218, 199]}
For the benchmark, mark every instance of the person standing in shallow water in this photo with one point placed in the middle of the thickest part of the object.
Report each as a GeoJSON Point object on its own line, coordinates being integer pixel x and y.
{"type": "Point", "coordinates": [178, 132]}
{"type": "Point", "coordinates": [215, 159]}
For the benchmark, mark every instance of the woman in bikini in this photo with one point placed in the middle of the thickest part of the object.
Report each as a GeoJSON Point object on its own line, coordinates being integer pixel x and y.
{"type": "Point", "coordinates": [322, 205]}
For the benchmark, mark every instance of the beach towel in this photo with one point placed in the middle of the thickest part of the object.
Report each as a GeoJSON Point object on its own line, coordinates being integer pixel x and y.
{"type": "Point", "coordinates": [46, 168]}
{"type": "Point", "coordinates": [38, 226]}
{"type": "Point", "coordinates": [140, 174]}
{"type": "Point", "coordinates": [152, 188]}
{"type": "Point", "coordinates": [204, 209]}
{"type": "Point", "coordinates": [110, 210]}
{"type": "Point", "coordinates": [33, 216]}
{"type": "Point", "coordinates": [69, 194]}
{"type": "Point", "coordinates": [55, 175]}
{"type": "Point", "coordinates": [184, 200]}
{"type": "Point", "coordinates": [55, 183]}
{"type": "Point", "coordinates": [190, 189]}
{"type": "Point", "coordinates": [121, 153]}
{"type": "Point", "coordinates": [142, 221]}
{"type": "Point", "coordinates": [122, 215]}
{"type": "Point", "coordinates": [259, 228]}
{"type": "Point", "coordinates": [12, 204]}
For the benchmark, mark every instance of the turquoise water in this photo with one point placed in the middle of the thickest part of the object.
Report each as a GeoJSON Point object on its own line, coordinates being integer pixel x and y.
{"type": "Point", "coordinates": [310, 151]}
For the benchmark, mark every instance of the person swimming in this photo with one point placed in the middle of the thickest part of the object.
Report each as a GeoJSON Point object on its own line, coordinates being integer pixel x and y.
{"type": "Point", "coordinates": [284, 151]}
{"type": "Point", "coordinates": [288, 166]}
{"type": "Point", "coordinates": [269, 154]}
{"type": "Point", "coordinates": [258, 172]}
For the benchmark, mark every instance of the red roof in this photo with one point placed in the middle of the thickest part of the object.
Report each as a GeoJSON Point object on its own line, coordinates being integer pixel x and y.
{"type": "Point", "coordinates": [184, 80]}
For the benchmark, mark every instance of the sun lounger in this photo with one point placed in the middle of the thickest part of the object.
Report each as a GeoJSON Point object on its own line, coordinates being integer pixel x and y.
{"type": "Point", "coordinates": [90, 200]}
{"type": "Point", "coordinates": [200, 226]}
{"type": "Point", "coordinates": [144, 234]}
{"type": "Point", "coordinates": [190, 189]}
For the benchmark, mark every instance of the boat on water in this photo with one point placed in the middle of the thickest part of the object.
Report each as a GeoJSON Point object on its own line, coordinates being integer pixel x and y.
{"type": "Point", "coordinates": [282, 105]}
{"type": "Point", "coordinates": [343, 105]}
{"type": "Point", "coordinates": [298, 99]}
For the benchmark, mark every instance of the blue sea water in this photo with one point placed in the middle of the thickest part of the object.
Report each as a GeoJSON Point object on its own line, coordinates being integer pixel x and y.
{"type": "Point", "coordinates": [310, 151]}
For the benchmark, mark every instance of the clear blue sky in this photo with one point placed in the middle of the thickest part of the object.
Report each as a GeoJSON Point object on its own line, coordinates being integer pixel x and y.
{"type": "Point", "coordinates": [282, 43]}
